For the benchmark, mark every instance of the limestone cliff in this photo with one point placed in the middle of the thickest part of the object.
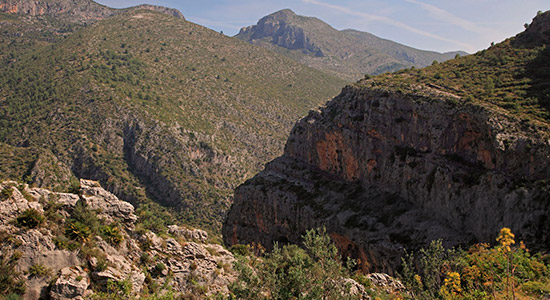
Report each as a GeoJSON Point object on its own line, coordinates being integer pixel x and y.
{"type": "Point", "coordinates": [386, 171]}
{"type": "Point", "coordinates": [396, 161]}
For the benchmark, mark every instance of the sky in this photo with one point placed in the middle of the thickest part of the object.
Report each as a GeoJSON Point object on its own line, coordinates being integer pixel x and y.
{"type": "Point", "coordinates": [437, 25]}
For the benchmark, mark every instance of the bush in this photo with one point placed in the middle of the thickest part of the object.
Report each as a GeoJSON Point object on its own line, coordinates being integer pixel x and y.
{"type": "Point", "coordinates": [31, 218]}
{"type": "Point", "coordinates": [111, 234]}
{"type": "Point", "coordinates": [11, 281]}
{"type": "Point", "coordinates": [78, 231]}
{"type": "Point", "coordinates": [240, 249]}
{"type": "Point", "coordinates": [483, 272]}
{"type": "Point", "coordinates": [291, 272]}
{"type": "Point", "coordinates": [40, 270]}
{"type": "Point", "coordinates": [6, 193]}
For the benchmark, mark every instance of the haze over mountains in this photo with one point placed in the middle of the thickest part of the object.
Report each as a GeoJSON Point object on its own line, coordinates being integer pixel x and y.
{"type": "Point", "coordinates": [349, 54]}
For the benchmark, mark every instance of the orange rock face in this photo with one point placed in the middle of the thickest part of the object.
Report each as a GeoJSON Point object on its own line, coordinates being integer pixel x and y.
{"type": "Point", "coordinates": [336, 156]}
{"type": "Point", "coordinates": [349, 249]}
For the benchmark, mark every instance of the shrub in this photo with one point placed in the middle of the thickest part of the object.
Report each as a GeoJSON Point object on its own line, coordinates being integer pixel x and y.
{"type": "Point", "coordinates": [240, 249]}
{"type": "Point", "coordinates": [78, 231]}
{"type": "Point", "coordinates": [291, 272]}
{"type": "Point", "coordinates": [74, 186]}
{"type": "Point", "coordinates": [40, 270]}
{"type": "Point", "coordinates": [11, 281]}
{"type": "Point", "coordinates": [6, 193]}
{"type": "Point", "coordinates": [31, 218]}
{"type": "Point", "coordinates": [111, 234]}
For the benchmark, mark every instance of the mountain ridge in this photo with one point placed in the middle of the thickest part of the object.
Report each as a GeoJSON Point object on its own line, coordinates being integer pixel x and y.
{"type": "Point", "coordinates": [454, 151]}
{"type": "Point", "coordinates": [348, 53]}
{"type": "Point", "coordinates": [175, 118]}
{"type": "Point", "coordinates": [81, 11]}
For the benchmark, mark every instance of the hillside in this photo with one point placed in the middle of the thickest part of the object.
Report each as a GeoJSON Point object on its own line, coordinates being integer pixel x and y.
{"type": "Point", "coordinates": [64, 246]}
{"type": "Point", "coordinates": [152, 106]}
{"type": "Point", "coordinates": [349, 54]}
{"type": "Point", "coordinates": [455, 151]}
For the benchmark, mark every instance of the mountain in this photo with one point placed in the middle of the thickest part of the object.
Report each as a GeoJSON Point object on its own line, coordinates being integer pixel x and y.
{"type": "Point", "coordinates": [76, 11]}
{"type": "Point", "coordinates": [455, 151]}
{"type": "Point", "coordinates": [349, 54]}
{"type": "Point", "coordinates": [150, 105]}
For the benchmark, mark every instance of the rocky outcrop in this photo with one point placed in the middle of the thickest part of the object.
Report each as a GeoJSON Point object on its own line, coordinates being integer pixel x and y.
{"type": "Point", "coordinates": [72, 283]}
{"type": "Point", "coordinates": [81, 11]}
{"type": "Point", "coordinates": [109, 206]}
{"type": "Point", "coordinates": [165, 10]}
{"type": "Point", "coordinates": [88, 11]}
{"type": "Point", "coordinates": [189, 234]}
{"type": "Point", "coordinates": [384, 171]}
{"type": "Point", "coordinates": [54, 266]}
{"type": "Point", "coordinates": [282, 32]}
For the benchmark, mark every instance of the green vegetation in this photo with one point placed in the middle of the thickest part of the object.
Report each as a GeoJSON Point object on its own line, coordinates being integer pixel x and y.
{"type": "Point", "coordinates": [30, 218]}
{"type": "Point", "coordinates": [185, 117]}
{"type": "Point", "coordinates": [510, 77]}
{"type": "Point", "coordinates": [40, 270]}
{"type": "Point", "coordinates": [291, 272]}
{"type": "Point", "coordinates": [11, 282]}
{"type": "Point", "coordinates": [504, 271]}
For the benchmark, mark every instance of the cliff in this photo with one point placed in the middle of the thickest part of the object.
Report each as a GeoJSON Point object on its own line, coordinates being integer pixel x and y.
{"type": "Point", "coordinates": [401, 159]}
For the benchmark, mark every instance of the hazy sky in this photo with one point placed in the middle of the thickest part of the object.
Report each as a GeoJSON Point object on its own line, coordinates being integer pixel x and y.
{"type": "Point", "coordinates": [439, 25]}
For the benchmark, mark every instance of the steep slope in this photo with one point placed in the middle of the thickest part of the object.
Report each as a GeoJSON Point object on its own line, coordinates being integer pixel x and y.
{"type": "Point", "coordinates": [454, 151]}
{"type": "Point", "coordinates": [154, 107]}
{"type": "Point", "coordinates": [348, 54]}
{"type": "Point", "coordinates": [70, 246]}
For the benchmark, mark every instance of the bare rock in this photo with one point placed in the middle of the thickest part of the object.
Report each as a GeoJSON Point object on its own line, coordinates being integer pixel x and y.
{"type": "Point", "coordinates": [384, 171]}
{"type": "Point", "coordinates": [189, 234]}
{"type": "Point", "coordinates": [110, 207]}
{"type": "Point", "coordinates": [72, 283]}
{"type": "Point", "coordinates": [15, 204]}
{"type": "Point", "coordinates": [387, 283]}
{"type": "Point", "coordinates": [356, 289]}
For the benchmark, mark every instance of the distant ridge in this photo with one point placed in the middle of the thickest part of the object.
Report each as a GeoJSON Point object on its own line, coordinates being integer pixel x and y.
{"type": "Point", "coordinates": [350, 54]}
{"type": "Point", "coordinates": [78, 11]}
{"type": "Point", "coordinates": [154, 107]}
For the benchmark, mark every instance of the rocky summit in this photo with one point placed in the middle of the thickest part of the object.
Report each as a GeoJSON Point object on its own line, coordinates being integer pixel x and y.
{"type": "Point", "coordinates": [349, 54]}
{"type": "Point", "coordinates": [398, 160]}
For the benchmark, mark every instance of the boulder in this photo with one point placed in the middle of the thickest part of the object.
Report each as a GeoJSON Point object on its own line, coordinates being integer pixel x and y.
{"type": "Point", "coordinates": [111, 208]}
{"type": "Point", "coordinates": [72, 283]}
{"type": "Point", "coordinates": [189, 234]}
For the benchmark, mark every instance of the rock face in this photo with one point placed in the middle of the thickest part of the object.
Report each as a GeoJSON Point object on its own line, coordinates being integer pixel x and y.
{"type": "Point", "coordinates": [53, 270]}
{"type": "Point", "coordinates": [81, 11]}
{"type": "Point", "coordinates": [386, 170]}
{"type": "Point", "coordinates": [282, 33]}
{"type": "Point", "coordinates": [347, 53]}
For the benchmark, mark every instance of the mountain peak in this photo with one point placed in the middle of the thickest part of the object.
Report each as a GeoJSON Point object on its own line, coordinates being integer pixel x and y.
{"type": "Point", "coordinates": [283, 12]}
{"type": "Point", "coordinates": [348, 54]}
